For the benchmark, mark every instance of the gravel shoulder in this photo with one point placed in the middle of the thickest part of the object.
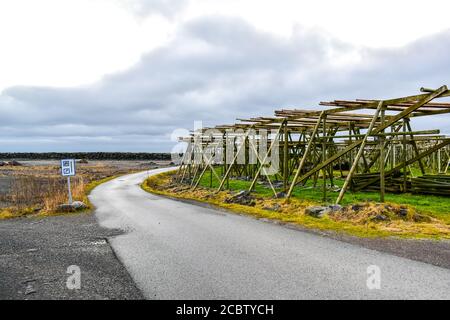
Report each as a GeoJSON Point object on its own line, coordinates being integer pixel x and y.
{"type": "Point", "coordinates": [36, 252]}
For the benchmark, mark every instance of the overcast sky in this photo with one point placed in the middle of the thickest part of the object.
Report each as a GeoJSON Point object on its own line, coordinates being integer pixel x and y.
{"type": "Point", "coordinates": [121, 75]}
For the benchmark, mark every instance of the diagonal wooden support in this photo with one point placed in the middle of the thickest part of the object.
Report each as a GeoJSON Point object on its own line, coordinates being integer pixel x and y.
{"type": "Point", "coordinates": [286, 155]}
{"type": "Point", "coordinates": [377, 152]}
{"type": "Point", "coordinates": [262, 162]}
{"type": "Point", "coordinates": [194, 186]}
{"type": "Point", "coordinates": [186, 169]}
{"type": "Point", "coordinates": [305, 155]}
{"type": "Point", "coordinates": [359, 154]}
{"type": "Point", "coordinates": [357, 134]}
{"type": "Point", "coordinates": [252, 186]}
{"type": "Point", "coordinates": [424, 100]}
{"type": "Point", "coordinates": [382, 160]}
{"type": "Point", "coordinates": [414, 107]}
{"type": "Point", "coordinates": [227, 173]}
{"type": "Point", "coordinates": [404, 156]}
{"type": "Point", "coordinates": [324, 151]}
{"type": "Point", "coordinates": [416, 150]}
{"type": "Point", "coordinates": [183, 166]}
{"type": "Point", "coordinates": [208, 165]}
{"type": "Point", "coordinates": [196, 166]}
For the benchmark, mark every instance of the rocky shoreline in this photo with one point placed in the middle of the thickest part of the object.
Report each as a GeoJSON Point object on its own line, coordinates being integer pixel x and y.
{"type": "Point", "coordinates": [85, 155]}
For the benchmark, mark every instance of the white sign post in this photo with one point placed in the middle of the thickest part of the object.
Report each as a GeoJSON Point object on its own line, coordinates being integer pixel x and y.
{"type": "Point", "coordinates": [68, 170]}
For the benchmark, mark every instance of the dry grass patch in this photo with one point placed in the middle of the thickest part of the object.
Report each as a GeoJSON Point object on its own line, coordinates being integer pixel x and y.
{"type": "Point", "coordinates": [40, 189]}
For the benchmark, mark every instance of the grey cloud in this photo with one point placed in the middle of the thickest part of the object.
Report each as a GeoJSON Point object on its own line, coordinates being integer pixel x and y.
{"type": "Point", "coordinates": [216, 69]}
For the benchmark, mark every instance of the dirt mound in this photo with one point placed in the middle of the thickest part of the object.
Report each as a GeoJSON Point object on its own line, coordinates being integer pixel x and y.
{"type": "Point", "coordinates": [242, 197]}
{"type": "Point", "coordinates": [377, 212]}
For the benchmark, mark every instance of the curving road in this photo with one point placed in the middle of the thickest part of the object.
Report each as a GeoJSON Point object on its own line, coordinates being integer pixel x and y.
{"type": "Point", "coordinates": [175, 250]}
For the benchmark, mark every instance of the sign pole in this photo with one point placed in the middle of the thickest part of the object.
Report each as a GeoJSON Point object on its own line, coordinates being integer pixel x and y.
{"type": "Point", "coordinates": [70, 191]}
{"type": "Point", "coordinates": [68, 170]}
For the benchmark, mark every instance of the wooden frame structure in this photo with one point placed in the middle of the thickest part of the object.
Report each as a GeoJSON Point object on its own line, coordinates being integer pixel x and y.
{"type": "Point", "coordinates": [370, 142]}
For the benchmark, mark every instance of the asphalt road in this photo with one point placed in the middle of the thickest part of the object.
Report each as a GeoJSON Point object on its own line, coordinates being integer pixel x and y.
{"type": "Point", "coordinates": [175, 250]}
{"type": "Point", "coordinates": [36, 252]}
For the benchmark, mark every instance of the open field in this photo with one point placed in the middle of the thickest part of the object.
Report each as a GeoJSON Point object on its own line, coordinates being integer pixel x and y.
{"type": "Point", "coordinates": [36, 186]}
{"type": "Point", "coordinates": [403, 215]}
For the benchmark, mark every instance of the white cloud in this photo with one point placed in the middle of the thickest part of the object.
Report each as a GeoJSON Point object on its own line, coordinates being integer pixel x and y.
{"type": "Point", "coordinates": [105, 75]}
{"type": "Point", "coordinates": [374, 23]}
{"type": "Point", "coordinates": [215, 69]}
{"type": "Point", "coordinates": [76, 42]}
{"type": "Point", "coordinates": [143, 8]}
{"type": "Point", "coordinates": [69, 43]}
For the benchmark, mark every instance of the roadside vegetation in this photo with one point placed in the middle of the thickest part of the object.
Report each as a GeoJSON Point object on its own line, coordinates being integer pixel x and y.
{"type": "Point", "coordinates": [39, 189]}
{"type": "Point", "coordinates": [402, 215]}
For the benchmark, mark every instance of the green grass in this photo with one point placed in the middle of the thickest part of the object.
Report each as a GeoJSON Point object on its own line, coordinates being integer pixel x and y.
{"type": "Point", "coordinates": [437, 206]}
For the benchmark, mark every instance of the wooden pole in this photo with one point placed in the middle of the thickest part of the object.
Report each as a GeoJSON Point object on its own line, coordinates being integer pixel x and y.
{"type": "Point", "coordinates": [227, 173]}
{"type": "Point", "coordinates": [382, 177]}
{"type": "Point", "coordinates": [285, 156]}
{"type": "Point", "coordinates": [358, 155]}
{"type": "Point", "coordinates": [416, 150]}
{"type": "Point", "coordinates": [394, 151]}
{"type": "Point", "coordinates": [425, 99]}
{"type": "Point", "coordinates": [210, 177]}
{"type": "Point", "coordinates": [439, 160]}
{"type": "Point", "coordinates": [324, 171]}
{"type": "Point", "coordinates": [302, 161]}
{"type": "Point", "coordinates": [263, 161]}
{"type": "Point", "coordinates": [404, 157]}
